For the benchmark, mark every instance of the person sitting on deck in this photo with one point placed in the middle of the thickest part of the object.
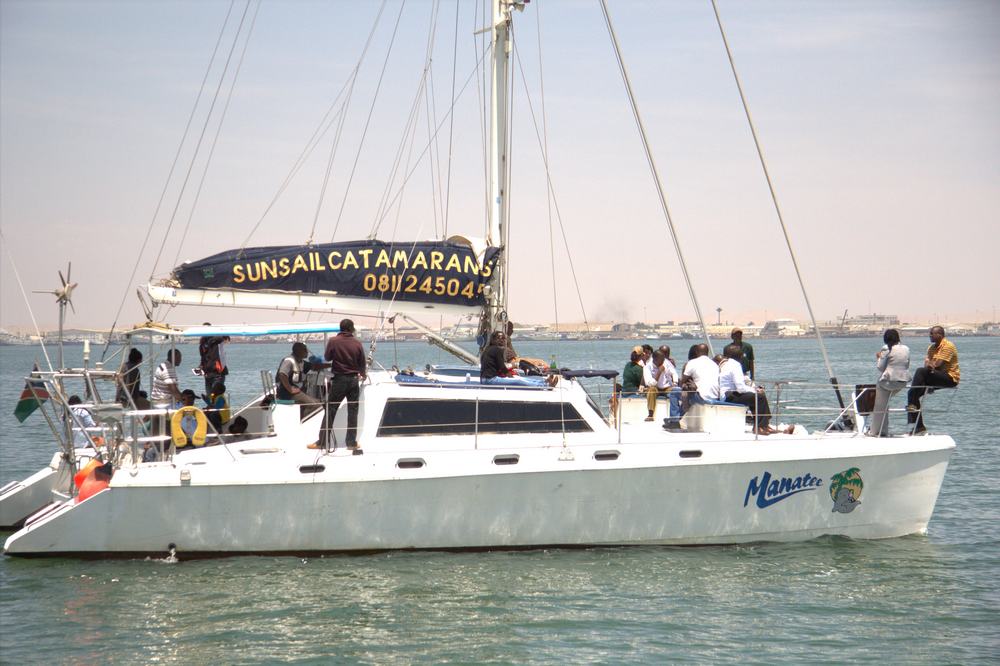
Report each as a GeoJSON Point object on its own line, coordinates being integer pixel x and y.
{"type": "Point", "coordinates": [632, 374]}
{"type": "Point", "coordinates": [237, 431]}
{"type": "Point", "coordinates": [292, 377]}
{"type": "Point", "coordinates": [703, 372]}
{"type": "Point", "coordinates": [188, 423]}
{"type": "Point", "coordinates": [940, 370]}
{"type": "Point", "coordinates": [660, 377]}
{"type": "Point", "coordinates": [495, 370]}
{"type": "Point", "coordinates": [82, 419]}
{"type": "Point", "coordinates": [733, 387]}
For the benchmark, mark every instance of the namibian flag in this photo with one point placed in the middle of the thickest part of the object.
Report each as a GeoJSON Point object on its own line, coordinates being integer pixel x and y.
{"type": "Point", "coordinates": [32, 397]}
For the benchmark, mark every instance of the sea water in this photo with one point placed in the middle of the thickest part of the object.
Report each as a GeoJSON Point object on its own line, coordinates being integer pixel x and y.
{"type": "Point", "coordinates": [932, 598]}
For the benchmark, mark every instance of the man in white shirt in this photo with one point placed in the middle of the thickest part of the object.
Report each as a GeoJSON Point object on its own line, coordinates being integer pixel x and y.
{"type": "Point", "coordinates": [165, 390]}
{"type": "Point", "coordinates": [733, 387]}
{"type": "Point", "coordinates": [703, 371]}
{"type": "Point", "coordinates": [660, 377]}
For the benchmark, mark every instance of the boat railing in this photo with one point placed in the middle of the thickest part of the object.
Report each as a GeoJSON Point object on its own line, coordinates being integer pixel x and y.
{"type": "Point", "coordinates": [810, 403]}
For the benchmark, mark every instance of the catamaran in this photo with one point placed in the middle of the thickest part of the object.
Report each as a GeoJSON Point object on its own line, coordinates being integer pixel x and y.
{"type": "Point", "coordinates": [452, 463]}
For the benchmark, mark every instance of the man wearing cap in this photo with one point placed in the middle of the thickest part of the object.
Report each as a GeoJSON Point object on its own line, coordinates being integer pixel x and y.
{"type": "Point", "coordinates": [747, 349]}
{"type": "Point", "coordinates": [348, 365]}
{"type": "Point", "coordinates": [292, 378]}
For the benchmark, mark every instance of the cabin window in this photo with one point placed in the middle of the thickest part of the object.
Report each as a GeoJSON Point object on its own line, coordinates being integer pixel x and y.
{"type": "Point", "coordinates": [408, 416]}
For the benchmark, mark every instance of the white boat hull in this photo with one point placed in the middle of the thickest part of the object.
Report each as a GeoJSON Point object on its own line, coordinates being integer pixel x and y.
{"type": "Point", "coordinates": [20, 499]}
{"type": "Point", "coordinates": [648, 495]}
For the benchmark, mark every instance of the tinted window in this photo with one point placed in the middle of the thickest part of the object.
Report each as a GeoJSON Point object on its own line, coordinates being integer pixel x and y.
{"type": "Point", "coordinates": [403, 416]}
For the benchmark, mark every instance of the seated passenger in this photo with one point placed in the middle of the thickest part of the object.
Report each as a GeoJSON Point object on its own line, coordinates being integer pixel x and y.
{"type": "Point", "coordinates": [660, 378]}
{"type": "Point", "coordinates": [702, 372]}
{"type": "Point", "coordinates": [632, 375]}
{"type": "Point", "coordinates": [733, 387]}
{"type": "Point", "coordinates": [494, 368]}
{"type": "Point", "coordinates": [82, 419]}
{"type": "Point", "coordinates": [292, 380]}
{"type": "Point", "coordinates": [237, 431]}
{"type": "Point", "coordinates": [188, 422]}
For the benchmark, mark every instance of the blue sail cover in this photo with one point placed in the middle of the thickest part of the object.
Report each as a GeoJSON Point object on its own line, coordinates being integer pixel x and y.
{"type": "Point", "coordinates": [431, 272]}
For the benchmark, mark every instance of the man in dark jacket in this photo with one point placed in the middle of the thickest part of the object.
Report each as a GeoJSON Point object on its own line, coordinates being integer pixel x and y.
{"type": "Point", "coordinates": [348, 366]}
{"type": "Point", "coordinates": [213, 359]}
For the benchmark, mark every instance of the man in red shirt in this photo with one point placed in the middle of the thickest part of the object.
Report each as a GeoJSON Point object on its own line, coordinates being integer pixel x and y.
{"type": "Point", "coordinates": [348, 365]}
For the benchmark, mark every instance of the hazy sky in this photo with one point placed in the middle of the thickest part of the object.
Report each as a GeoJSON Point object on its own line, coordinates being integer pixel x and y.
{"type": "Point", "coordinates": [880, 122]}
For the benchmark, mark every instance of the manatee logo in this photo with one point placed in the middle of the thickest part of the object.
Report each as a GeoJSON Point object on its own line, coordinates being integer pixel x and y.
{"type": "Point", "coordinates": [845, 490]}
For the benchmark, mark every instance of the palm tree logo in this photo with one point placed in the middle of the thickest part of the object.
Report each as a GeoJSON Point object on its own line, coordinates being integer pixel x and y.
{"type": "Point", "coordinates": [845, 490]}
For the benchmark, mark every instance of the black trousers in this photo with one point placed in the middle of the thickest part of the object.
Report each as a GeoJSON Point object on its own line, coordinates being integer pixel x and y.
{"type": "Point", "coordinates": [341, 387]}
{"type": "Point", "coordinates": [756, 403]}
{"type": "Point", "coordinates": [923, 379]}
{"type": "Point", "coordinates": [210, 379]}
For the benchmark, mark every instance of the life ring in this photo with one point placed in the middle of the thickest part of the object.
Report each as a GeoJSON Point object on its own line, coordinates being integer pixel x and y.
{"type": "Point", "coordinates": [201, 426]}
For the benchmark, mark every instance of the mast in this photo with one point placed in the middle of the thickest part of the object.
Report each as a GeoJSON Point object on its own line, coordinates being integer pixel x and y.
{"type": "Point", "coordinates": [495, 314]}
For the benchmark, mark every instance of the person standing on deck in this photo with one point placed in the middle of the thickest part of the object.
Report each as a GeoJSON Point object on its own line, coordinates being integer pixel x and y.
{"type": "Point", "coordinates": [349, 367]}
{"type": "Point", "coordinates": [130, 378]}
{"type": "Point", "coordinates": [165, 390]}
{"type": "Point", "coordinates": [213, 359]}
{"type": "Point", "coordinates": [940, 370]}
{"type": "Point", "coordinates": [893, 362]}
{"type": "Point", "coordinates": [747, 349]}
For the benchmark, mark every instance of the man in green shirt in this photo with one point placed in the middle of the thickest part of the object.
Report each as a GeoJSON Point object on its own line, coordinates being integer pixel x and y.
{"type": "Point", "coordinates": [747, 360]}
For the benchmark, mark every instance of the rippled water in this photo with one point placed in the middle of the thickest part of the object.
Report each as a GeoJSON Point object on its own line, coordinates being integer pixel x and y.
{"type": "Point", "coordinates": [931, 598]}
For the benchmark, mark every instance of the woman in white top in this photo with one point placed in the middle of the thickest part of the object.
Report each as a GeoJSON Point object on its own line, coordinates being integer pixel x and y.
{"type": "Point", "coordinates": [893, 361]}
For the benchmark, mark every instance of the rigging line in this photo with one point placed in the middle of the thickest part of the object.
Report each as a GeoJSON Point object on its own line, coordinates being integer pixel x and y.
{"type": "Point", "coordinates": [27, 303]}
{"type": "Point", "coordinates": [341, 120]}
{"type": "Point", "coordinates": [364, 132]}
{"type": "Point", "coordinates": [439, 192]}
{"type": "Point", "coordinates": [392, 202]}
{"type": "Point", "coordinates": [555, 200]}
{"type": "Point", "coordinates": [655, 173]}
{"type": "Point", "coordinates": [201, 138]}
{"type": "Point", "coordinates": [451, 124]}
{"type": "Point", "coordinates": [545, 158]}
{"type": "Point", "coordinates": [166, 185]}
{"type": "Point", "coordinates": [774, 197]}
{"type": "Point", "coordinates": [218, 132]}
{"type": "Point", "coordinates": [432, 113]}
{"type": "Point", "coordinates": [317, 134]}
{"type": "Point", "coordinates": [409, 135]}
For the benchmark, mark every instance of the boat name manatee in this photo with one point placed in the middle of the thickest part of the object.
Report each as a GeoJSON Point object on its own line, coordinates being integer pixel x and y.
{"type": "Point", "coordinates": [769, 491]}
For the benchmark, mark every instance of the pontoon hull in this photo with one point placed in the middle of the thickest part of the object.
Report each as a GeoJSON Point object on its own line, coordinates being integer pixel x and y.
{"type": "Point", "coordinates": [548, 502]}
{"type": "Point", "coordinates": [20, 499]}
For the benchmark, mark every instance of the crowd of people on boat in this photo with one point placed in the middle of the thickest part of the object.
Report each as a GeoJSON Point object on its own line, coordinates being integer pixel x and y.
{"type": "Point", "coordinates": [729, 378]}
{"type": "Point", "coordinates": [654, 374]}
